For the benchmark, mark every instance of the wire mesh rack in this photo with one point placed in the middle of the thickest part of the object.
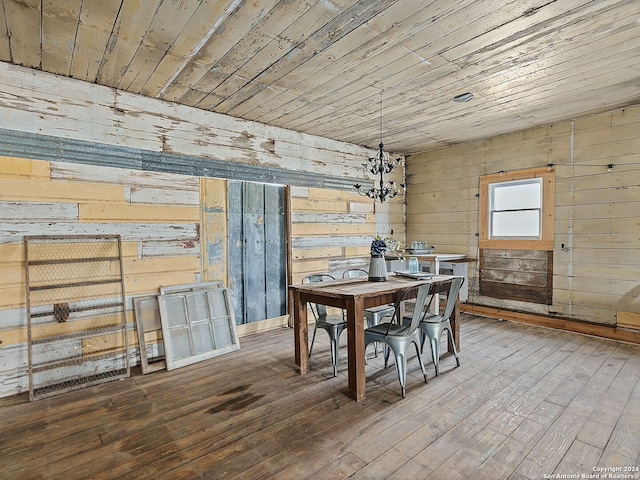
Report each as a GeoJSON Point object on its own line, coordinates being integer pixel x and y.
{"type": "Point", "coordinates": [76, 316]}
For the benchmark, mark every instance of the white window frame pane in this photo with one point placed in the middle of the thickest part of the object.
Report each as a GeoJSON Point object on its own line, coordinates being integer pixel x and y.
{"type": "Point", "coordinates": [519, 215]}
{"type": "Point", "coordinates": [204, 316]}
{"type": "Point", "coordinates": [520, 224]}
{"type": "Point", "coordinates": [519, 195]}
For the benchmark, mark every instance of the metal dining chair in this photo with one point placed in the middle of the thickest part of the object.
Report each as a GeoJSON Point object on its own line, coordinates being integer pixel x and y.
{"type": "Point", "coordinates": [433, 325]}
{"type": "Point", "coordinates": [398, 337]}
{"type": "Point", "coordinates": [332, 324]}
{"type": "Point", "coordinates": [355, 273]}
{"type": "Point", "coordinates": [372, 315]}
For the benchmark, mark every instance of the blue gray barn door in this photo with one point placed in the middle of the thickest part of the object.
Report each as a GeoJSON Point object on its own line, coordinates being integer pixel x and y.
{"type": "Point", "coordinates": [257, 250]}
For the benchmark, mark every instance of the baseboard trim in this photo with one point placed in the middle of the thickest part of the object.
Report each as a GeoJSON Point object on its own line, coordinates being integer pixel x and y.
{"type": "Point", "coordinates": [262, 326]}
{"type": "Point", "coordinates": [558, 323]}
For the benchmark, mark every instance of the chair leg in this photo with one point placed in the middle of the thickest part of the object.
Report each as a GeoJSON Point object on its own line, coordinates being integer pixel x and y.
{"type": "Point", "coordinates": [313, 339]}
{"type": "Point", "coordinates": [335, 342]}
{"type": "Point", "coordinates": [453, 345]}
{"type": "Point", "coordinates": [435, 353]}
{"type": "Point", "coordinates": [387, 351]}
{"type": "Point", "coordinates": [334, 353]}
{"type": "Point", "coordinates": [401, 367]}
{"type": "Point", "coordinates": [424, 370]}
{"type": "Point", "coordinates": [423, 337]}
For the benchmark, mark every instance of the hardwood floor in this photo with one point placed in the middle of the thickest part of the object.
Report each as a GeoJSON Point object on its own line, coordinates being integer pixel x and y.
{"type": "Point", "coordinates": [526, 402]}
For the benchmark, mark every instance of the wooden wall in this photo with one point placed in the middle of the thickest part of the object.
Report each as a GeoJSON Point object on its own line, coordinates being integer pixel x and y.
{"type": "Point", "coordinates": [54, 187]}
{"type": "Point", "coordinates": [332, 230]}
{"type": "Point", "coordinates": [159, 218]}
{"type": "Point", "coordinates": [596, 250]}
{"type": "Point", "coordinates": [157, 215]}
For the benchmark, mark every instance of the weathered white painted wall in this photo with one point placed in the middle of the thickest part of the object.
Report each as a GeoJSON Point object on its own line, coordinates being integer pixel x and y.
{"type": "Point", "coordinates": [159, 215]}
{"type": "Point", "coordinates": [36, 102]}
{"type": "Point", "coordinates": [156, 214]}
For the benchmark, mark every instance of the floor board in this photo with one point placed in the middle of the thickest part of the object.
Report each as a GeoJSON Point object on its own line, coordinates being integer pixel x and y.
{"type": "Point", "coordinates": [525, 402]}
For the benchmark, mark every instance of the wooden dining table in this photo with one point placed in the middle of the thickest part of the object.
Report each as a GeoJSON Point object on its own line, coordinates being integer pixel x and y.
{"type": "Point", "coordinates": [354, 296]}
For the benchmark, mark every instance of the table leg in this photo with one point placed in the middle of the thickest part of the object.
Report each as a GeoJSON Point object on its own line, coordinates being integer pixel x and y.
{"type": "Point", "coordinates": [355, 347]}
{"type": "Point", "coordinates": [300, 333]}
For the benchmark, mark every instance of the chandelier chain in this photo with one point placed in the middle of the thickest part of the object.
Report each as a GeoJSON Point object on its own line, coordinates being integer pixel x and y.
{"type": "Point", "coordinates": [379, 165]}
{"type": "Point", "coordinates": [381, 92]}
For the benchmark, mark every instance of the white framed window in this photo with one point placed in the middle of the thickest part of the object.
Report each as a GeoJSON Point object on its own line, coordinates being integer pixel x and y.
{"type": "Point", "coordinates": [516, 210]}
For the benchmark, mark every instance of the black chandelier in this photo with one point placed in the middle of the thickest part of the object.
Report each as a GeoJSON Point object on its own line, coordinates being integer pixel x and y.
{"type": "Point", "coordinates": [381, 164]}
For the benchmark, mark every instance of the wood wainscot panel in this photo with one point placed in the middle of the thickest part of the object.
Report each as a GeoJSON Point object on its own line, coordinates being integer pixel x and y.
{"type": "Point", "coordinates": [628, 320]}
{"type": "Point", "coordinates": [523, 275]}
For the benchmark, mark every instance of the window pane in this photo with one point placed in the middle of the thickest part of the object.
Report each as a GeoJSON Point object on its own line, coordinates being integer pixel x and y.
{"type": "Point", "coordinates": [180, 343]}
{"type": "Point", "coordinates": [516, 224]}
{"type": "Point", "coordinates": [198, 307]}
{"type": "Point", "coordinates": [176, 312]}
{"type": "Point", "coordinates": [202, 338]}
{"type": "Point", "coordinates": [222, 332]}
{"type": "Point", "coordinates": [516, 196]}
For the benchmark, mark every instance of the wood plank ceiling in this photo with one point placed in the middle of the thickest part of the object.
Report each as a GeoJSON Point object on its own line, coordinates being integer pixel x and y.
{"type": "Point", "coordinates": [318, 66]}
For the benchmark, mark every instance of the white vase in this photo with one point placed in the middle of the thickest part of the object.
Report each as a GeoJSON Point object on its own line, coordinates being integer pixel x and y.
{"type": "Point", "coordinates": [377, 269]}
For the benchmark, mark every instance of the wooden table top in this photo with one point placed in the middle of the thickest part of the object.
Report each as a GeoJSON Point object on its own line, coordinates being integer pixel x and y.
{"type": "Point", "coordinates": [362, 288]}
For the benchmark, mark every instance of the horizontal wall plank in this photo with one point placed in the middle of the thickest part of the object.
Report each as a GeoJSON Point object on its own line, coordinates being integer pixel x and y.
{"type": "Point", "coordinates": [144, 284]}
{"type": "Point", "coordinates": [340, 265]}
{"type": "Point", "coordinates": [12, 318]}
{"type": "Point", "coordinates": [43, 191]}
{"type": "Point", "coordinates": [628, 320]}
{"type": "Point", "coordinates": [12, 255]}
{"type": "Point", "coordinates": [81, 173]}
{"type": "Point", "coordinates": [13, 369]}
{"type": "Point", "coordinates": [319, 205]}
{"type": "Point", "coordinates": [310, 253]}
{"type": "Point", "coordinates": [90, 212]}
{"type": "Point", "coordinates": [320, 242]}
{"type": "Point", "coordinates": [163, 196]}
{"type": "Point", "coordinates": [37, 211]}
{"type": "Point", "coordinates": [14, 167]}
{"type": "Point", "coordinates": [358, 251]}
{"type": "Point", "coordinates": [361, 207]}
{"type": "Point", "coordinates": [310, 266]}
{"type": "Point", "coordinates": [337, 195]}
{"type": "Point", "coordinates": [610, 257]}
{"type": "Point", "coordinates": [170, 248]}
{"type": "Point", "coordinates": [12, 296]}
{"type": "Point", "coordinates": [323, 217]}
{"type": "Point", "coordinates": [160, 265]}
{"type": "Point", "coordinates": [13, 233]}
{"type": "Point", "coordinates": [506, 278]}
{"type": "Point", "coordinates": [513, 291]}
{"type": "Point", "coordinates": [299, 230]}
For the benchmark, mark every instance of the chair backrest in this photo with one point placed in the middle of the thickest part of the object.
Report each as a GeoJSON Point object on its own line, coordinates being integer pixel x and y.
{"type": "Point", "coordinates": [355, 273]}
{"type": "Point", "coordinates": [424, 295]}
{"type": "Point", "coordinates": [450, 287]}
{"type": "Point", "coordinates": [318, 311]}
